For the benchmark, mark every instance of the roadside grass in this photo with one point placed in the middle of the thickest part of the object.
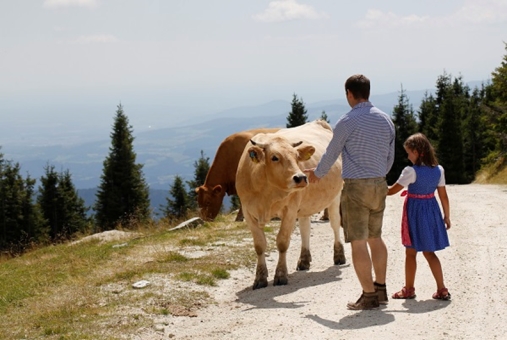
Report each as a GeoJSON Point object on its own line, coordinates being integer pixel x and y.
{"type": "Point", "coordinates": [84, 290]}
{"type": "Point", "coordinates": [493, 174]}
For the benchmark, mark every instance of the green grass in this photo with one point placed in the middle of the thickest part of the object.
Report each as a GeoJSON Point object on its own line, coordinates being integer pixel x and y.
{"type": "Point", "coordinates": [84, 291]}
{"type": "Point", "coordinates": [493, 174]}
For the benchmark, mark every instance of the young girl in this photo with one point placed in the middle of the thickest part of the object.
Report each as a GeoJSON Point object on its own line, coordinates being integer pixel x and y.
{"type": "Point", "coordinates": [423, 228]}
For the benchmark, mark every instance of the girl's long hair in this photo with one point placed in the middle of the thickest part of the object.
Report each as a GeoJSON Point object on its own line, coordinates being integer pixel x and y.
{"type": "Point", "coordinates": [418, 142]}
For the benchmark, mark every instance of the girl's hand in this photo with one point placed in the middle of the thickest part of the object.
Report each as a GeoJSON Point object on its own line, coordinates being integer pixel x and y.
{"type": "Point", "coordinates": [394, 189]}
{"type": "Point", "coordinates": [447, 222]}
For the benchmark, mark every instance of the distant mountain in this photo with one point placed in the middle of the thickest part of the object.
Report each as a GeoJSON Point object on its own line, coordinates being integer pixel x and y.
{"type": "Point", "coordinates": [165, 152]}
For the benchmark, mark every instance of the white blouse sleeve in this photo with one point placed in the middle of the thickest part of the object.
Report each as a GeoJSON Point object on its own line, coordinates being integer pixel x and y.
{"type": "Point", "coordinates": [441, 183]}
{"type": "Point", "coordinates": [407, 176]}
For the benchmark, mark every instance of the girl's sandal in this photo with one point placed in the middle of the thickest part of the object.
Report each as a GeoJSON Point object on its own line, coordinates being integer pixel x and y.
{"type": "Point", "coordinates": [442, 294]}
{"type": "Point", "coordinates": [405, 293]}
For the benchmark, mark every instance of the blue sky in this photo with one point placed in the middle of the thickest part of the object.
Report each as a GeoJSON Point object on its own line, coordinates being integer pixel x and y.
{"type": "Point", "coordinates": [226, 53]}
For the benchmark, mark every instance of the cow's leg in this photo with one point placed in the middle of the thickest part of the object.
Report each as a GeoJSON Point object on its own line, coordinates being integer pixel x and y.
{"type": "Point", "coordinates": [306, 257]}
{"type": "Point", "coordinates": [335, 222]}
{"type": "Point", "coordinates": [260, 244]}
{"type": "Point", "coordinates": [282, 243]}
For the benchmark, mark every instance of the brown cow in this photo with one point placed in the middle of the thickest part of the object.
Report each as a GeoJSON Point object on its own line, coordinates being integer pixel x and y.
{"type": "Point", "coordinates": [221, 177]}
{"type": "Point", "coordinates": [270, 183]}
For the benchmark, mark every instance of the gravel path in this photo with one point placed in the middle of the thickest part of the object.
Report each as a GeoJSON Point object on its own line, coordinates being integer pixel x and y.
{"type": "Point", "coordinates": [313, 304]}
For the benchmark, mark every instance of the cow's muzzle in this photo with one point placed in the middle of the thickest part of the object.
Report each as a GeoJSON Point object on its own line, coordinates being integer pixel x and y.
{"type": "Point", "coordinates": [300, 180]}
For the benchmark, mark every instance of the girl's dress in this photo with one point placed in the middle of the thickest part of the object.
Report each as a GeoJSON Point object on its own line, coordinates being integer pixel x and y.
{"type": "Point", "coordinates": [426, 226]}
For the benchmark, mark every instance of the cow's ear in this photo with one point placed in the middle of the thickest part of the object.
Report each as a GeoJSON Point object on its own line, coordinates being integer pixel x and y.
{"type": "Point", "coordinates": [256, 154]}
{"type": "Point", "coordinates": [217, 189]}
{"type": "Point", "coordinates": [305, 152]}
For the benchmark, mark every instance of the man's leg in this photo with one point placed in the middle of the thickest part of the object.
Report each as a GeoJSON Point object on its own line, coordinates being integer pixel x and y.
{"type": "Point", "coordinates": [379, 258]}
{"type": "Point", "coordinates": [362, 264]}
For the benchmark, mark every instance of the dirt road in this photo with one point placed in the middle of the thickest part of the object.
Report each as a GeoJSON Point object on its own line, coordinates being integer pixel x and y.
{"type": "Point", "coordinates": [313, 304]}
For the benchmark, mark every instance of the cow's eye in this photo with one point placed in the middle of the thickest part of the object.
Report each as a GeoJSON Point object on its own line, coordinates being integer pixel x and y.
{"type": "Point", "coordinates": [274, 159]}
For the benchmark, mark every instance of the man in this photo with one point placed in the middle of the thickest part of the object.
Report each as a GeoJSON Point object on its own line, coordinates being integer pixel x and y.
{"type": "Point", "coordinates": [365, 139]}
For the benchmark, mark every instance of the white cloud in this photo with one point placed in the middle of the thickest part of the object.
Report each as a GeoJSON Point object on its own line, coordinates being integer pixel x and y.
{"type": "Point", "coordinates": [285, 10]}
{"type": "Point", "coordinates": [95, 39]}
{"type": "Point", "coordinates": [482, 11]}
{"type": "Point", "coordinates": [69, 3]}
{"type": "Point", "coordinates": [376, 18]}
{"type": "Point", "coordinates": [472, 12]}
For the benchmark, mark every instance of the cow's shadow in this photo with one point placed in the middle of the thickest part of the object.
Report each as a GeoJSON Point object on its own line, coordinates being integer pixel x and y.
{"type": "Point", "coordinates": [265, 298]}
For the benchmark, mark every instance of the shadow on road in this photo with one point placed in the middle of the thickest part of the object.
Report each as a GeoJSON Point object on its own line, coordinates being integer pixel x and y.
{"type": "Point", "coordinates": [265, 298]}
{"type": "Point", "coordinates": [382, 316]}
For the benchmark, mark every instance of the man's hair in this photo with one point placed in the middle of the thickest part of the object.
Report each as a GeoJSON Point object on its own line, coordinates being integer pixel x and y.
{"type": "Point", "coordinates": [359, 86]}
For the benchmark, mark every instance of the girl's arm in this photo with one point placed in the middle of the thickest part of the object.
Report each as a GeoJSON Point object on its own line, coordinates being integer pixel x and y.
{"type": "Point", "coordinates": [442, 194]}
{"type": "Point", "coordinates": [394, 189]}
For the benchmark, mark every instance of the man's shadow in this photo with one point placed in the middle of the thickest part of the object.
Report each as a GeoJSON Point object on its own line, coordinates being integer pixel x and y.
{"type": "Point", "coordinates": [383, 316]}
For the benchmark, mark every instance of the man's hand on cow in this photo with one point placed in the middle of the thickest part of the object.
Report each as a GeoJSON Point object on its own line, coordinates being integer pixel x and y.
{"type": "Point", "coordinates": [311, 175]}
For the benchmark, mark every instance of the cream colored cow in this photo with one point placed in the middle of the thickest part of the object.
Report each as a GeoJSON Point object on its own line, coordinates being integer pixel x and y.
{"type": "Point", "coordinates": [270, 183]}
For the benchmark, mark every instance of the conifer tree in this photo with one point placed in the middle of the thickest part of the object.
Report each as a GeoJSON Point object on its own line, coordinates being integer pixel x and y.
{"type": "Point", "coordinates": [201, 168]}
{"type": "Point", "coordinates": [235, 203]}
{"type": "Point", "coordinates": [474, 135]}
{"type": "Point", "coordinates": [496, 112]}
{"type": "Point", "coordinates": [405, 124]}
{"type": "Point", "coordinates": [177, 204]}
{"type": "Point", "coordinates": [123, 194]}
{"type": "Point", "coordinates": [428, 117]}
{"type": "Point", "coordinates": [452, 104]}
{"type": "Point", "coordinates": [21, 222]}
{"type": "Point", "coordinates": [324, 117]}
{"type": "Point", "coordinates": [60, 205]}
{"type": "Point", "coordinates": [298, 114]}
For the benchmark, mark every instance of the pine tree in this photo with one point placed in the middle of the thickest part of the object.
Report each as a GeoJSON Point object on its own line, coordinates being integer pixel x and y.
{"type": "Point", "coordinates": [21, 222]}
{"type": "Point", "coordinates": [298, 114]}
{"type": "Point", "coordinates": [474, 135]}
{"type": "Point", "coordinates": [123, 195]}
{"type": "Point", "coordinates": [428, 117]}
{"type": "Point", "coordinates": [496, 110]}
{"type": "Point", "coordinates": [405, 124]}
{"type": "Point", "coordinates": [60, 205]}
{"type": "Point", "coordinates": [453, 102]}
{"type": "Point", "coordinates": [235, 203]}
{"type": "Point", "coordinates": [201, 167]}
{"type": "Point", "coordinates": [48, 201]}
{"type": "Point", "coordinates": [178, 202]}
{"type": "Point", "coordinates": [324, 116]}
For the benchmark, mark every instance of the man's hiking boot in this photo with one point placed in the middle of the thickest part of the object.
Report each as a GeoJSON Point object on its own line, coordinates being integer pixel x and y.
{"type": "Point", "coordinates": [381, 292]}
{"type": "Point", "coordinates": [366, 301]}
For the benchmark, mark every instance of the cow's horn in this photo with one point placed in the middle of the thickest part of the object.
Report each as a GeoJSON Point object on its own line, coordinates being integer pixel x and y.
{"type": "Point", "coordinates": [297, 144]}
{"type": "Point", "coordinates": [257, 144]}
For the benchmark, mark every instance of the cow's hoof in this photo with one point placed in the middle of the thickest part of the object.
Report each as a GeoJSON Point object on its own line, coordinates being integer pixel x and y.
{"type": "Point", "coordinates": [304, 259]}
{"type": "Point", "coordinates": [340, 261]}
{"type": "Point", "coordinates": [339, 254]}
{"type": "Point", "coordinates": [262, 283]}
{"type": "Point", "coordinates": [280, 281]}
{"type": "Point", "coordinates": [303, 265]}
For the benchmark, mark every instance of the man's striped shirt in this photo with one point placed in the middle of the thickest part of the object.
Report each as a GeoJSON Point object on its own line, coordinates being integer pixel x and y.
{"type": "Point", "coordinates": [365, 139]}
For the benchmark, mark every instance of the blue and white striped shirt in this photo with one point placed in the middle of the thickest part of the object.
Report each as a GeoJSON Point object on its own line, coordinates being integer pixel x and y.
{"type": "Point", "coordinates": [365, 139]}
